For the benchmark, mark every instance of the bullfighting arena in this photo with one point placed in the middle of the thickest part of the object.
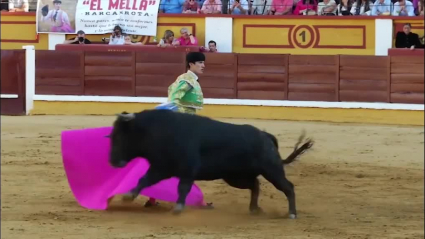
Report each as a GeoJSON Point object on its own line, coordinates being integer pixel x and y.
{"type": "Point", "coordinates": [358, 181]}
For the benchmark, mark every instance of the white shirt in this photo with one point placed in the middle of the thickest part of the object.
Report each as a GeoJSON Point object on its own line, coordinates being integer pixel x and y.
{"type": "Point", "coordinates": [18, 4]}
{"type": "Point", "coordinates": [244, 5]}
{"type": "Point", "coordinates": [408, 11]}
{"type": "Point", "coordinates": [321, 6]}
{"type": "Point", "coordinates": [381, 7]}
{"type": "Point", "coordinates": [261, 6]}
{"type": "Point", "coordinates": [340, 8]}
{"type": "Point", "coordinates": [116, 40]}
{"type": "Point", "coordinates": [362, 11]}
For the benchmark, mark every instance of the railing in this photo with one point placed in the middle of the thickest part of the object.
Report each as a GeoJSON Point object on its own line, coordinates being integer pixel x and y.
{"type": "Point", "coordinates": [251, 5]}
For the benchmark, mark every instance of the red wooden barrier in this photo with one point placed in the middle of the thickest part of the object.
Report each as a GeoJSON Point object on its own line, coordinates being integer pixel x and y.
{"type": "Point", "coordinates": [388, 79]}
{"type": "Point", "coordinates": [13, 82]}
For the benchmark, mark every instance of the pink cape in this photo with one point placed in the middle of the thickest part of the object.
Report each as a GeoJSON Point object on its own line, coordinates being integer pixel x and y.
{"type": "Point", "coordinates": [93, 181]}
{"type": "Point", "coordinates": [64, 28]}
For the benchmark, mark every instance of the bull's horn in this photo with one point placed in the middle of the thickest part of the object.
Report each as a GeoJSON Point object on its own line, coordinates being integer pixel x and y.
{"type": "Point", "coordinates": [127, 117]}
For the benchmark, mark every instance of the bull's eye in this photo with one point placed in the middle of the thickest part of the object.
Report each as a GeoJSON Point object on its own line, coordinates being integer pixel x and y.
{"type": "Point", "coordinates": [107, 136]}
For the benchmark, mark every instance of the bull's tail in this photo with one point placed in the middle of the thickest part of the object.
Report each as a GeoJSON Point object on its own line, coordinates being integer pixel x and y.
{"type": "Point", "coordinates": [298, 150]}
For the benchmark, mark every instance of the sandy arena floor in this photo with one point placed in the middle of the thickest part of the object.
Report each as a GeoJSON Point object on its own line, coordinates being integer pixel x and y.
{"type": "Point", "coordinates": [360, 181]}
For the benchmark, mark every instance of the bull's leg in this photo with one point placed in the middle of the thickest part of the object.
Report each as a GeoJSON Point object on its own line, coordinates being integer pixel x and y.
{"type": "Point", "coordinates": [185, 185]}
{"type": "Point", "coordinates": [150, 178]}
{"type": "Point", "coordinates": [248, 183]}
{"type": "Point", "coordinates": [275, 175]}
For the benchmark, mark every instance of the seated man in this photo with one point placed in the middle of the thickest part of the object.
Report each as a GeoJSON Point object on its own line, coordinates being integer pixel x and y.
{"type": "Point", "coordinates": [407, 39]}
{"type": "Point", "coordinates": [212, 47]}
{"type": "Point", "coordinates": [18, 6]}
{"type": "Point", "coordinates": [382, 8]}
{"type": "Point", "coordinates": [186, 39]}
{"type": "Point", "coordinates": [79, 39]}
{"type": "Point", "coordinates": [239, 7]}
{"type": "Point", "coordinates": [171, 6]}
{"type": "Point", "coordinates": [404, 8]}
{"type": "Point", "coordinates": [211, 7]}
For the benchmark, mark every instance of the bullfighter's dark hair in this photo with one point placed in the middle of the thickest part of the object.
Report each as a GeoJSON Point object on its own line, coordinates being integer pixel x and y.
{"type": "Point", "coordinates": [193, 57]}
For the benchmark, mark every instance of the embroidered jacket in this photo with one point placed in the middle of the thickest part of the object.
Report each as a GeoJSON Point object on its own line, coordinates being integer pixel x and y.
{"type": "Point", "coordinates": [186, 93]}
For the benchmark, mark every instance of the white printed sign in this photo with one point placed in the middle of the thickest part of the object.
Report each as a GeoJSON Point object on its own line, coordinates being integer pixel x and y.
{"type": "Point", "coordinates": [135, 17]}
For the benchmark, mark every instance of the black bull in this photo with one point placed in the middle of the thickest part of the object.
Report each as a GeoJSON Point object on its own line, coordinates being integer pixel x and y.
{"type": "Point", "coordinates": [192, 147]}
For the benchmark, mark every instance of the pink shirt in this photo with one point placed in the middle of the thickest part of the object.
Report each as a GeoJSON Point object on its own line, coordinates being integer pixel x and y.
{"type": "Point", "coordinates": [301, 6]}
{"type": "Point", "coordinates": [184, 42]}
{"type": "Point", "coordinates": [209, 7]}
{"type": "Point", "coordinates": [282, 5]}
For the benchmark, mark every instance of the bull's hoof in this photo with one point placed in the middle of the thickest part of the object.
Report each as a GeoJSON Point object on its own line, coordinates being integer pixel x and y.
{"type": "Point", "coordinates": [256, 211]}
{"type": "Point", "coordinates": [178, 209]}
{"type": "Point", "coordinates": [129, 197]}
{"type": "Point", "coordinates": [292, 216]}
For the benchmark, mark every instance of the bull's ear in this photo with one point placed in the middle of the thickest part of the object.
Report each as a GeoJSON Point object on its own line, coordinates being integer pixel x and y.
{"type": "Point", "coordinates": [126, 117]}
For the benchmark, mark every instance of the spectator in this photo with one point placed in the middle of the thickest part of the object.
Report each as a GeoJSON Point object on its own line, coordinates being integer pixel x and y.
{"type": "Point", "coordinates": [4, 5]}
{"type": "Point", "coordinates": [116, 37]}
{"type": "Point", "coordinates": [344, 8]}
{"type": "Point", "coordinates": [261, 7]}
{"type": "Point", "coordinates": [282, 7]}
{"type": "Point", "coordinates": [415, 4]}
{"type": "Point", "coordinates": [382, 8]}
{"type": "Point", "coordinates": [326, 8]}
{"type": "Point", "coordinates": [168, 39]}
{"type": "Point", "coordinates": [171, 6]}
{"type": "Point", "coordinates": [211, 7]}
{"type": "Point", "coordinates": [187, 39]}
{"type": "Point", "coordinates": [407, 39]}
{"type": "Point", "coordinates": [212, 47]}
{"type": "Point", "coordinates": [361, 7]}
{"type": "Point", "coordinates": [404, 8]}
{"type": "Point", "coordinates": [191, 6]}
{"type": "Point", "coordinates": [79, 39]}
{"type": "Point", "coordinates": [420, 10]}
{"type": "Point", "coordinates": [238, 7]}
{"type": "Point", "coordinates": [306, 7]}
{"type": "Point", "coordinates": [127, 41]}
{"type": "Point", "coordinates": [18, 6]}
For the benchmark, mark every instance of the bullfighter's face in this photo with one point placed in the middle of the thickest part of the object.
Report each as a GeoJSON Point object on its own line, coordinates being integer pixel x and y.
{"type": "Point", "coordinates": [198, 67]}
{"type": "Point", "coordinates": [121, 144]}
{"type": "Point", "coordinates": [57, 5]}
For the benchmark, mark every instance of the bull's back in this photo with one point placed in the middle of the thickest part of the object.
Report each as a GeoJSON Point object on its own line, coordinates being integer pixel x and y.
{"type": "Point", "coordinates": [223, 148]}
